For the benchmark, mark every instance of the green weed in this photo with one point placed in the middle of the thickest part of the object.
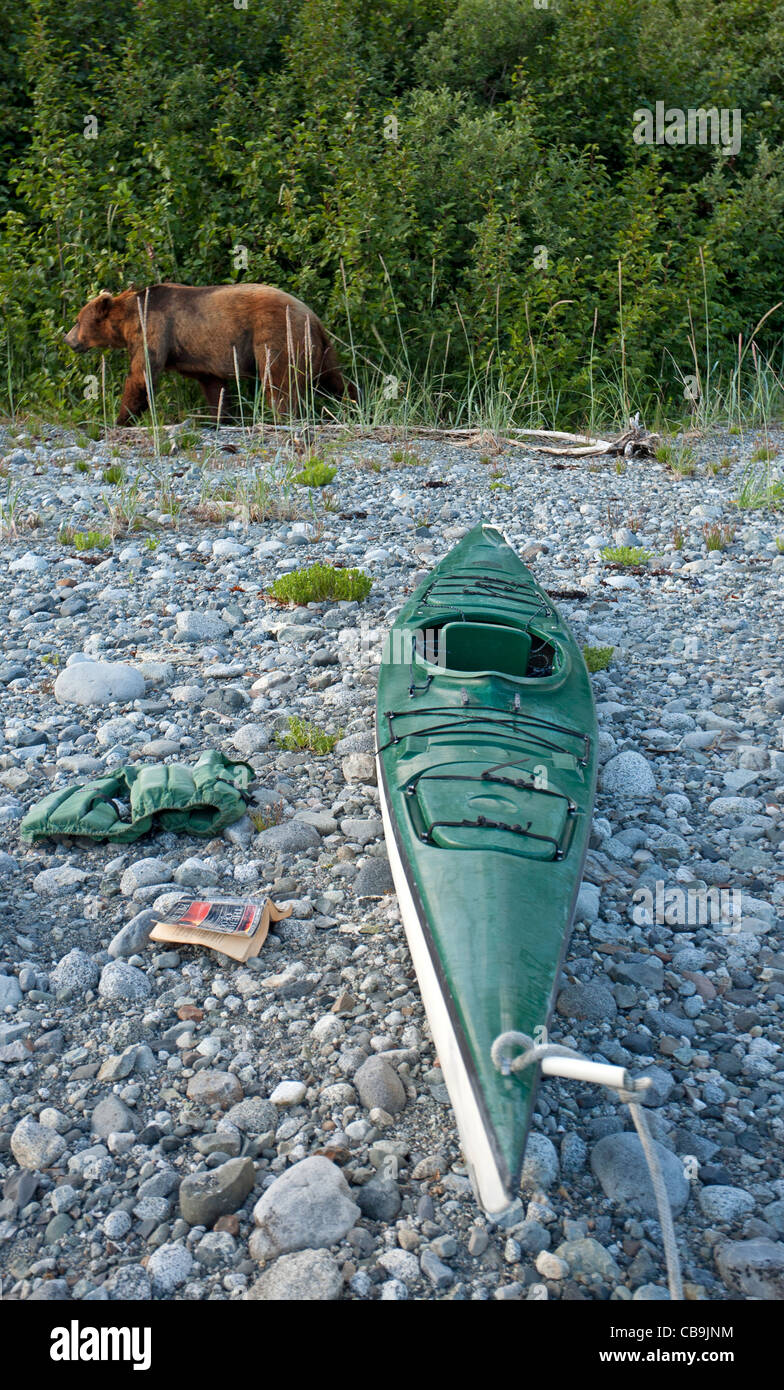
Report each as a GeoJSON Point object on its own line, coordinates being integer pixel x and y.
{"type": "Point", "coordinates": [303, 734]}
{"type": "Point", "coordinates": [760, 490]}
{"type": "Point", "coordinates": [625, 555]}
{"type": "Point", "coordinates": [84, 540]}
{"type": "Point", "coordinates": [718, 537]}
{"type": "Point", "coordinates": [321, 583]}
{"type": "Point", "coordinates": [271, 815]}
{"type": "Point", "coordinates": [763, 454]}
{"type": "Point", "coordinates": [598, 658]}
{"type": "Point", "coordinates": [315, 474]}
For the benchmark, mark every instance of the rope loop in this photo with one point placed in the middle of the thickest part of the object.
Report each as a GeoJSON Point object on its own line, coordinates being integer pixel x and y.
{"type": "Point", "coordinates": [514, 1052]}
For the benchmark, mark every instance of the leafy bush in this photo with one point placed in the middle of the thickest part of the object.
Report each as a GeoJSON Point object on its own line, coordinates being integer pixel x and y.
{"type": "Point", "coordinates": [315, 474]}
{"type": "Point", "coordinates": [319, 583]}
{"type": "Point", "coordinates": [625, 555]}
{"type": "Point", "coordinates": [303, 734]}
{"type": "Point", "coordinates": [598, 658]}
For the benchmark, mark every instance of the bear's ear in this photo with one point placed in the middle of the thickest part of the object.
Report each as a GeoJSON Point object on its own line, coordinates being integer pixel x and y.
{"type": "Point", "coordinates": [103, 303]}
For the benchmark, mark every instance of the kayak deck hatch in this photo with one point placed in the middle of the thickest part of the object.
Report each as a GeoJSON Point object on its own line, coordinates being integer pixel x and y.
{"type": "Point", "coordinates": [505, 810]}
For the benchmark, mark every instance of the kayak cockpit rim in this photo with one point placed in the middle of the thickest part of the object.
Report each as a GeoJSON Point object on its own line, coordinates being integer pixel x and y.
{"type": "Point", "coordinates": [470, 645]}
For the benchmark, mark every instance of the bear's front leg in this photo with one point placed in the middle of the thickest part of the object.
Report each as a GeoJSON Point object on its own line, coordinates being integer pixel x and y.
{"type": "Point", "coordinates": [134, 399]}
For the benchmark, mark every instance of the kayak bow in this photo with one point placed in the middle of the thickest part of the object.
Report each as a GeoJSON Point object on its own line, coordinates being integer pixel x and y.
{"type": "Point", "coordinates": [486, 767]}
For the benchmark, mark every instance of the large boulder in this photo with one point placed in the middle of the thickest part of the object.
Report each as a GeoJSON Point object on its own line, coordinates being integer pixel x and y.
{"type": "Point", "coordinates": [309, 1207]}
{"type": "Point", "coordinates": [619, 1163]}
{"type": "Point", "coordinates": [98, 683]}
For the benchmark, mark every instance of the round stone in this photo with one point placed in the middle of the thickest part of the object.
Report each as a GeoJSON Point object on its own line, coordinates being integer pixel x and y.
{"type": "Point", "coordinates": [34, 1146]}
{"type": "Point", "coordinates": [117, 1224]}
{"type": "Point", "coordinates": [725, 1204]}
{"type": "Point", "coordinates": [205, 1197]}
{"type": "Point", "coordinates": [288, 1093]}
{"type": "Point", "coordinates": [302, 1277]}
{"type": "Point", "coordinates": [75, 973]}
{"type": "Point", "coordinates": [119, 980]}
{"type": "Point", "coordinates": [379, 1086]}
{"type": "Point", "coordinates": [619, 1163]}
{"type": "Point", "coordinates": [307, 1207]}
{"type": "Point", "coordinates": [218, 1089]}
{"type": "Point", "coordinates": [540, 1165]}
{"type": "Point", "coordinates": [168, 1267]}
{"type": "Point", "coordinates": [128, 1283]}
{"type": "Point", "coordinates": [98, 683]}
{"type": "Point", "coordinates": [628, 776]}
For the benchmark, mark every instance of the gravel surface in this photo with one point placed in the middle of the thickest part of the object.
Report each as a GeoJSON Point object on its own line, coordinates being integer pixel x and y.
{"type": "Point", "coordinates": [177, 1126]}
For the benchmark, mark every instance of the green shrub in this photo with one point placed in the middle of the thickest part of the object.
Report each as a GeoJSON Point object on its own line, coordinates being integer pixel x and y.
{"type": "Point", "coordinates": [442, 155]}
{"type": "Point", "coordinates": [321, 583]}
{"type": "Point", "coordinates": [598, 658]}
{"type": "Point", "coordinates": [625, 555]}
{"type": "Point", "coordinates": [303, 734]}
{"type": "Point", "coordinates": [315, 474]}
{"type": "Point", "coordinates": [84, 540]}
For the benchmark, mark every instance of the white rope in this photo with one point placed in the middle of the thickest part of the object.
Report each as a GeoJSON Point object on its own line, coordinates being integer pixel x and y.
{"type": "Point", "coordinates": [513, 1052]}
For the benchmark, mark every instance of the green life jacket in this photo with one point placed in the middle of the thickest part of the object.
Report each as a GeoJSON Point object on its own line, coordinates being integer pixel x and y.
{"type": "Point", "coordinates": [198, 800]}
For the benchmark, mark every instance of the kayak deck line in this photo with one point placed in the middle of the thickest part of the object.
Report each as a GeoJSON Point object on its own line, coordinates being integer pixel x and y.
{"type": "Point", "coordinates": [467, 584]}
{"type": "Point", "coordinates": [467, 720]}
{"type": "Point", "coordinates": [486, 753]}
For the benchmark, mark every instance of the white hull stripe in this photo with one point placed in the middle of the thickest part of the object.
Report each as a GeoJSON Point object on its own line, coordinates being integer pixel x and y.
{"type": "Point", "coordinates": [486, 1176]}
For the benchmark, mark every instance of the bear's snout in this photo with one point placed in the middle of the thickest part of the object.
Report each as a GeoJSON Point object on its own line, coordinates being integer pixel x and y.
{"type": "Point", "coordinates": [72, 339]}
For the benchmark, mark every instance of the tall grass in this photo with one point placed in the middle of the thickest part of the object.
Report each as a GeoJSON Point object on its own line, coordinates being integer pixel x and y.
{"type": "Point", "coordinates": [478, 387]}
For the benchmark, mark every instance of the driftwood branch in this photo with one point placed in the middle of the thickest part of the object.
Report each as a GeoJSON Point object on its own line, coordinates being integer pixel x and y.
{"type": "Point", "coordinates": [634, 442]}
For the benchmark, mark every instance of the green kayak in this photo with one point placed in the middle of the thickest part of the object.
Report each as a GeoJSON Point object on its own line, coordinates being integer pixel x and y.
{"type": "Point", "coordinates": [486, 767]}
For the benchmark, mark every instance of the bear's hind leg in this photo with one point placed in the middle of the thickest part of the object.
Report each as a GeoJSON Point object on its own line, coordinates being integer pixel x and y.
{"type": "Point", "coordinates": [217, 397]}
{"type": "Point", "coordinates": [276, 378]}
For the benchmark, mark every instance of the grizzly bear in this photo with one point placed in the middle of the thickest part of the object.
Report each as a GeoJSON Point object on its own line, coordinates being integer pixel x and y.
{"type": "Point", "coordinates": [213, 334]}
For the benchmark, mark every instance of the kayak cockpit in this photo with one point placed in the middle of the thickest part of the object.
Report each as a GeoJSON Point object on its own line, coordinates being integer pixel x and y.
{"type": "Point", "coordinates": [467, 646]}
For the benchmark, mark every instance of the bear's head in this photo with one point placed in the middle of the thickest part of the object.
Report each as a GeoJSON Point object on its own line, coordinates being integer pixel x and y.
{"type": "Point", "coordinates": [98, 325]}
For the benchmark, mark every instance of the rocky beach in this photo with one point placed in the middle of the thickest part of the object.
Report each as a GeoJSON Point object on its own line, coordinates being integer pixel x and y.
{"type": "Point", "coordinates": [174, 1125]}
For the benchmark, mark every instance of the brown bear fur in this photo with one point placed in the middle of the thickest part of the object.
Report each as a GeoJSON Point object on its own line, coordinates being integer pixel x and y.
{"type": "Point", "coordinates": [213, 334]}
